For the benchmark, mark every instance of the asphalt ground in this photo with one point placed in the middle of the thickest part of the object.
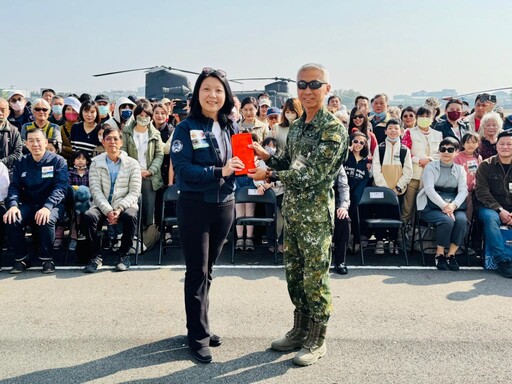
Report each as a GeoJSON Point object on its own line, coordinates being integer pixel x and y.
{"type": "Point", "coordinates": [387, 326]}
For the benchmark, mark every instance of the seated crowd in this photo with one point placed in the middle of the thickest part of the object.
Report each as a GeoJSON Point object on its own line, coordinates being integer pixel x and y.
{"type": "Point", "coordinates": [443, 166]}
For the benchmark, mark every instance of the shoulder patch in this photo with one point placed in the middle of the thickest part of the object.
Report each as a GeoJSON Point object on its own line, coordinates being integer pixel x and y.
{"type": "Point", "coordinates": [177, 146]}
{"type": "Point", "coordinates": [331, 136]}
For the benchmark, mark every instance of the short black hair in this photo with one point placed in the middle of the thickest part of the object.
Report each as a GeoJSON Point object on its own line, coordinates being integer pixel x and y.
{"type": "Point", "coordinates": [424, 111]}
{"type": "Point", "coordinates": [79, 153]}
{"type": "Point", "coordinates": [507, 133]}
{"type": "Point", "coordinates": [87, 106]}
{"type": "Point", "coordinates": [143, 107]}
{"type": "Point", "coordinates": [449, 140]}
{"type": "Point", "coordinates": [108, 130]}
{"type": "Point", "coordinates": [393, 122]}
{"type": "Point", "coordinates": [360, 97]}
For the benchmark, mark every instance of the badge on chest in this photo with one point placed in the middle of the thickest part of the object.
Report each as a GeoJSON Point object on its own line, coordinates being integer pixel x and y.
{"type": "Point", "coordinates": [198, 139]}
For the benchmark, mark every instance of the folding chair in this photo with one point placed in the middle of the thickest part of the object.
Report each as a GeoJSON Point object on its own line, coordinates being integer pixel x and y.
{"type": "Point", "coordinates": [171, 194]}
{"type": "Point", "coordinates": [387, 201]}
{"type": "Point", "coordinates": [250, 195]}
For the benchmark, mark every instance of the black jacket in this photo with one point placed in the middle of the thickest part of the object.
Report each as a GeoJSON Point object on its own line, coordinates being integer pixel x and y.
{"type": "Point", "coordinates": [11, 146]}
{"type": "Point", "coordinates": [445, 128]}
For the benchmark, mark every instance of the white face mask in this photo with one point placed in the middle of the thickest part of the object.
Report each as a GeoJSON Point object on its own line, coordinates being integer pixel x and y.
{"type": "Point", "coordinates": [291, 116]}
{"type": "Point", "coordinates": [271, 150]}
{"type": "Point", "coordinates": [18, 106]}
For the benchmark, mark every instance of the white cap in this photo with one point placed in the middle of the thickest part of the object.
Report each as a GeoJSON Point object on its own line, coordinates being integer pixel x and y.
{"type": "Point", "coordinates": [15, 92]}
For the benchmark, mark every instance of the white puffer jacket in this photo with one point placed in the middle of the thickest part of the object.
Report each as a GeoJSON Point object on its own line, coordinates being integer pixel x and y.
{"type": "Point", "coordinates": [127, 186]}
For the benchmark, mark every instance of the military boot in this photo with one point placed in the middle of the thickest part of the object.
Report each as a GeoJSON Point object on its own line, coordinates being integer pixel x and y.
{"type": "Point", "coordinates": [296, 337]}
{"type": "Point", "coordinates": [314, 347]}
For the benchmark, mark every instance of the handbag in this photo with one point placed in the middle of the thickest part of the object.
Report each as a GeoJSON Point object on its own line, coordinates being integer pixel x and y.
{"type": "Point", "coordinates": [448, 195]}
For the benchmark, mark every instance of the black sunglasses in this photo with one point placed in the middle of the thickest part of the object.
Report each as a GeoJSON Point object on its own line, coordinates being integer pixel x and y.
{"type": "Point", "coordinates": [447, 149]}
{"type": "Point", "coordinates": [41, 109]}
{"type": "Point", "coordinates": [484, 98]}
{"type": "Point", "coordinates": [209, 71]}
{"type": "Point", "coordinates": [358, 116]}
{"type": "Point", "coordinates": [315, 84]}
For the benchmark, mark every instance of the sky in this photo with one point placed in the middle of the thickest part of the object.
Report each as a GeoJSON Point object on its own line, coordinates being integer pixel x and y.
{"type": "Point", "coordinates": [393, 46]}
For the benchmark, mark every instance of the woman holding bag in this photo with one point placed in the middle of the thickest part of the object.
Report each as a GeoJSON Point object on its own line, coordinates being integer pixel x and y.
{"type": "Point", "coordinates": [441, 201]}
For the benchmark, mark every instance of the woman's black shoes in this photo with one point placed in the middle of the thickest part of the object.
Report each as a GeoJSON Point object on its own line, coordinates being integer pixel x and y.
{"type": "Point", "coordinates": [452, 264]}
{"type": "Point", "coordinates": [446, 263]}
{"type": "Point", "coordinates": [203, 355]}
{"type": "Point", "coordinates": [341, 269]}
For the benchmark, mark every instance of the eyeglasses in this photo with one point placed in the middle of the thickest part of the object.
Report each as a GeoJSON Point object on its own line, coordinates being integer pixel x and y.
{"type": "Point", "coordinates": [41, 109]}
{"type": "Point", "coordinates": [355, 141]}
{"type": "Point", "coordinates": [209, 71]}
{"type": "Point", "coordinates": [15, 100]}
{"type": "Point", "coordinates": [315, 84]}
{"type": "Point", "coordinates": [359, 117]}
{"type": "Point", "coordinates": [110, 138]}
{"type": "Point", "coordinates": [408, 116]}
{"type": "Point", "coordinates": [447, 149]}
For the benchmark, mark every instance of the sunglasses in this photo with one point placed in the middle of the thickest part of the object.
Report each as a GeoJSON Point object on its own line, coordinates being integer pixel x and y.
{"type": "Point", "coordinates": [484, 98]}
{"type": "Point", "coordinates": [408, 116]}
{"type": "Point", "coordinates": [355, 141]}
{"type": "Point", "coordinates": [315, 84]}
{"type": "Point", "coordinates": [41, 109]}
{"type": "Point", "coordinates": [15, 100]}
{"type": "Point", "coordinates": [447, 149]}
{"type": "Point", "coordinates": [209, 71]}
{"type": "Point", "coordinates": [359, 117]}
{"type": "Point", "coordinates": [273, 117]}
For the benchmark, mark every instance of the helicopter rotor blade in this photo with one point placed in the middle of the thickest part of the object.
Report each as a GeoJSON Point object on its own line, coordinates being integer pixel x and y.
{"type": "Point", "coordinates": [266, 78]}
{"type": "Point", "coordinates": [473, 93]}
{"type": "Point", "coordinates": [123, 71]}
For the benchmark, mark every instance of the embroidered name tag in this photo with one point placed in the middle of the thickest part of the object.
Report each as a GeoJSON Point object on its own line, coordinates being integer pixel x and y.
{"type": "Point", "coordinates": [198, 139]}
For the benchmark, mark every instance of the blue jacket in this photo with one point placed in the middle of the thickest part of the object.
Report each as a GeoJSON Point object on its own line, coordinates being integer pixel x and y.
{"type": "Point", "coordinates": [358, 177]}
{"type": "Point", "coordinates": [197, 163]}
{"type": "Point", "coordinates": [43, 183]}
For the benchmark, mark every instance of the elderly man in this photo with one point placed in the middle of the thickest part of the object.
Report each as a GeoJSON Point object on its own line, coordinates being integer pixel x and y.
{"type": "Point", "coordinates": [36, 193]}
{"type": "Point", "coordinates": [316, 149]}
{"type": "Point", "coordinates": [483, 102]}
{"type": "Point", "coordinates": [380, 116]}
{"type": "Point", "coordinates": [11, 145]}
{"type": "Point", "coordinates": [115, 182]}
{"type": "Point", "coordinates": [494, 191]}
{"type": "Point", "coordinates": [20, 112]}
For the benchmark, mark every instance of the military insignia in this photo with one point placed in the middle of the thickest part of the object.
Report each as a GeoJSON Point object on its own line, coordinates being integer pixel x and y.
{"type": "Point", "coordinates": [177, 146]}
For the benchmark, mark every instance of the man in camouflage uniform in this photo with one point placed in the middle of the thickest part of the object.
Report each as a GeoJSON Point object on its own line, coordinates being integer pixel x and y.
{"type": "Point", "coordinates": [316, 149]}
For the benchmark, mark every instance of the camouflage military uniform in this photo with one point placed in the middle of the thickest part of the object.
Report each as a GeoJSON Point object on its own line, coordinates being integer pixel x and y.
{"type": "Point", "coordinates": [314, 153]}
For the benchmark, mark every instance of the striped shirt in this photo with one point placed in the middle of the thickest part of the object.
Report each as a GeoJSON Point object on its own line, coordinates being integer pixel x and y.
{"type": "Point", "coordinates": [82, 141]}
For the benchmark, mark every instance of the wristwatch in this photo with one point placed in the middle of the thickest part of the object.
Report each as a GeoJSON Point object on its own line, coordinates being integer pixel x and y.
{"type": "Point", "coordinates": [398, 189]}
{"type": "Point", "coordinates": [498, 211]}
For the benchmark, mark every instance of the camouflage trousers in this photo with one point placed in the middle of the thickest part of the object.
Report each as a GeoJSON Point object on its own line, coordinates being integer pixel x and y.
{"type": "Point", "coordinates": [307, 258]}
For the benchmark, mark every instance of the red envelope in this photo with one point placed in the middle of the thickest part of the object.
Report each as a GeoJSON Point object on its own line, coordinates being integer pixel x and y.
{"type": "Point", "coordinates": [239, 143]}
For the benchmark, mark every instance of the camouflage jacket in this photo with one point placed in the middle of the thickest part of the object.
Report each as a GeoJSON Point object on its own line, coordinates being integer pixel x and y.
{"type": "Point", "coordinates": [313, 155]}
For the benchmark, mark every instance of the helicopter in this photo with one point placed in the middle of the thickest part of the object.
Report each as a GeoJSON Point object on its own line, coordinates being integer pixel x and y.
{"type": "Point", "coordinates": [278, 90]}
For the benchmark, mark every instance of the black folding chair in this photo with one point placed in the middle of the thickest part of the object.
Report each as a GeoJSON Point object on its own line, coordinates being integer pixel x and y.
{"type": "Point", "coordinates": [386, 201]}
{"type": "Point", "coordinates": [250, 195]}
{"type": "Point", "coordinates": [171, 194]}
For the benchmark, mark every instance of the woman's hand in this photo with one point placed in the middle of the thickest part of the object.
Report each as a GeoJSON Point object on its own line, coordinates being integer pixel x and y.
{"type": "Point", "coordinates": [341, 213]}
{"type": "Point", "coordinates": [232, 165]}
{"type": "Point", "coordinates": [145, 174]}
{"type": "Point", "coordinates": [261, 189]}
{"type": "Point", "coordinates": [423, 162]}
{"type": "Point", "coordinates": [259, 151]}
{"type": "Point", "coordinates": [449, 210]}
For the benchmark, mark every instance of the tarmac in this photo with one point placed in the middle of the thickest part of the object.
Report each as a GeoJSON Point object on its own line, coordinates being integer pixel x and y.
{"type": "Point", "coordinates": [390, 324]}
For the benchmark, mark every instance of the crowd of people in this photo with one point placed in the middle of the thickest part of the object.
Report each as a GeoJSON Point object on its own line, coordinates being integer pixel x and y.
{"type": "Point", "coordinates": [110, 162]}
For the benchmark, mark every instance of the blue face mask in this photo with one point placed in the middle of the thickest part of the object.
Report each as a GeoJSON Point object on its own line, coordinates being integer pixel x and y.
{"type": "Point", "coordinates": [103, 109]}
{"type": "Point", "coordinates": [57, 109]}
{"type": "Point", "coordinates": [126, 114]}
{"type": "Point", "coordinates": [392, 140]}
{"type": "Point", "coordinates": [380, 116]}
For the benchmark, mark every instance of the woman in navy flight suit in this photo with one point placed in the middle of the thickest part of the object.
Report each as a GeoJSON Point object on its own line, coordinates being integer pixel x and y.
{"type": "Point", "coordinates": [202, 158]}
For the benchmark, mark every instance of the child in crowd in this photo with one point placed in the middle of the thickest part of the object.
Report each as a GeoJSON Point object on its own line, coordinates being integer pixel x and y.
{"type": "Point", "coordinates": [469, 159]}
{"type": "Point", "coordinates": [272, 146]}
{"type": "Point", "coordinates": [78, 176]}
{"type": "Point", "coordinates": [357, 168]}
{"type": "Point", "coordinates": [392, 168]}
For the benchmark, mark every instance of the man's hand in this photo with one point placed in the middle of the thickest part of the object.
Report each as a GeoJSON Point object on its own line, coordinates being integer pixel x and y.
{"type": "Point", "coordinates": [341, 213]}
{"type": "Point", "coordinates": [42, 216]}
{"type": "Point", "coordinates": [113, 216]}
{"type": "Point", "coordinates": [506, 217]}
{"type": "Point", "coordinates": [257, 173]}
{"type": "Point", "coordinates": [12, 215]}
{"type": "Point", "coordinates": [259, 151]}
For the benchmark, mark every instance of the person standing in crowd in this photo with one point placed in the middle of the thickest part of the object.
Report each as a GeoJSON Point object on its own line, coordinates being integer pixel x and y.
{"type": "Point", "coordinates": [102, 102]}
{"type": "Point", "coordinates": [4, 188]}
{"type": "Point", "coordinates": [273, 117]}
{"type": "Point", "coordinates": [391, 168]}
{"type": "Point", "coordinates": [123, 113]}
{"type": "Point", "coordinates": [41, 111]}
{"type": "Point", "coordinates": [36, 194]}
{"type": "Point", "coordinates": [316, 149]}
{"type": "Point", "coordinates": [452, 126]}
{"type": "Point", "coordinates": [380, 116]}
{"type": "Point", "coordinates": [264, 104]}
{"type": "Point", "coordinates": [250, 122]}
{"type": "Point", "coordinates": [491, 125]}
{"type": "Point", "coordinates": [423, 141]}
{"type": "Point", "coordinates": [202, 158]}
{"type": "Point", "coordinates": [333, 103]}
{"type": "Point", "coordinates": [441, 201]}
{"type": "Point", "coordinates": [474, 119]}
{"type": "Point", "coordinates": [142, 142]}
{"type": "Point", "coordinates": [435, 106]}
{"type": "Point", "coordinates": [408, 117]}
{"type": "Point", "coordinates": [292, 110]}
{"type": "Point", "coordinates": [84, 135]}
{"type": "Point", "coordinates": [358, 121]}
{"type": "Point", "coordinates": [493, 191]}
{"type": "Point", "coordinates": [57, 116]}
{"type": "Point", "coordinates": [115, 184]}
{"type": "Point", "coordinates": [71, 111]}
{"type": "Point", "coordinates": [20, 112]}
{"type": "Point", "coordinates": [341, 222]}
{"type": "Point", "coordinates": [11, 146]}
{"type": "Point", "coordinates": [48, 94]}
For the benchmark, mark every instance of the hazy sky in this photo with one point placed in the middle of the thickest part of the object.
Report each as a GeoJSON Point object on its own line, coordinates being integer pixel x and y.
{"type": "Point", "coordinates": [370, 46]}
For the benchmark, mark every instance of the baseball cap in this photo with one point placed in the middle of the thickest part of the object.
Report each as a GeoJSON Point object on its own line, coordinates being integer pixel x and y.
{"type": "Point", "coordinates": [73, 103]}
{"type": "Point", "coordinates": [165, 100]}
{"type": "Point", "coordinates": [264, 101]}
{"type": "Point", "coordinates": [101, 97]}
{"type": "Point", "coordinates": [273, 111]}
{"type": "Point", "coordinates": [15, 92]}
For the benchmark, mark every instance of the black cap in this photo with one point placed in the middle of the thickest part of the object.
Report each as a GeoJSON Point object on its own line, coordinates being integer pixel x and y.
{"type": "Point", "coordinates": [485, 97]}
{"type": "Point", "coordinates": [507, 133]}
{"type": "Point", "coordinates": [101, 97]}
{"type": "Point", "coordinates": [47, 90]}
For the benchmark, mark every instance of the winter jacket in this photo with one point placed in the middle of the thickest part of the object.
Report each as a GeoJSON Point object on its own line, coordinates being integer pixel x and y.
{"type": "Point", "coordinates": [154, 153]}
{"type": "Point", "coordinates": [493, 185]}
{"type": "Point", "coordinates": [127, 187]}
{"type": "Point", "coordinates": [11, 146]}
{"type": "Point", "coordinates": [116, 120]}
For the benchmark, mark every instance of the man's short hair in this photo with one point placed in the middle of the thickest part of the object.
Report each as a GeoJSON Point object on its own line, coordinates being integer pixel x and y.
{"type": "Point", "coordinates": [318, 67]}
{"type": "Point", "coordinates": [507, 133]}
{"type": "Point", "coordinates": [36, 130]}
{"type": "Point", "coordinates": [108, 130]}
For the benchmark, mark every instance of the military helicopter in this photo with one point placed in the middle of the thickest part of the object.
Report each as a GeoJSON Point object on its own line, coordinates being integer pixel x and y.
{"type": "Point", "coordinates": [278, 90]}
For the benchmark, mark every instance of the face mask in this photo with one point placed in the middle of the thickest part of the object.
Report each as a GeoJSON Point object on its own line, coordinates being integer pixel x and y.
{"type": "Point", "coordinates": [454, 115]}
{"type": "Point", "coordinates": [71, 116]}
{"type": "Point", "coordinates": [18, 106]}
{"type": "Point", "coordinates": [392, 140]}
{"type": "Point", "coordinates": [424, 122]}
{"type": "Point", "coordinates": [380, 116]}
{"type": "Point", "coordinates": [291, 117]}
{"type": "Point", "coordinates": [103, 109]}
{"type": "Point", "coordinates": [57, 109]}
{"type": "Point", "coordinates": [143, 121]}
{"type": "Point", "coordinates": [126, 114]}
{"type": "Point", "coordinates": [271, 150]}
